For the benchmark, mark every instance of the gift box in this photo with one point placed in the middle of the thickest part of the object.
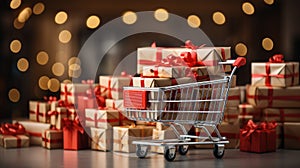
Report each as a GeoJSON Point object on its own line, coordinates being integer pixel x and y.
{"type": "Point", "coordinates": [52, 139]}
{"type": "Point", "coordinates": [112, 86]}
{"type": "Point", "coordinates": [38, 111]}
{"type": "Point", "coordinates": [258, 138]}
{"type": "Point", "coordinates": [102, 139]}
{"type": "Point", "coordinates": [69, 92]}
{"type": "Point", "coordinates": [162, 135]}
{"type": "Point", "coordinates": [35, 131]}
{"type": "Point", "coordinates": [102, 118]}
{"type": "Point", "coordinates": [248, 109]}
{"type": "Point", "coordinates": [13, 136]}
{"type": "Point", "coordinates": [281, 114]}
{"type": "Point", "coordinates": [148, 56]}
{"type": "Point", "coordinates": [267, 96]}
{"type": "Point", "coordinates": [211, 56]}
{"type": "Point", "coordinates": [57, 116]}
{"type": "Point", "coordinates": [124, 135]}
{"type": "Point", "coordinates": [75, 138]}
{"type": "Point", "coordinates": [281, 74]}
{"type": "Point", "coordinates": [166, 71]}
{"type": "Point", "coordinates": [200, 73]}
{"type": "Point", "coordinates": [279, 135]}
{"type": "Point", "coordinates": [160, 126]}
{"type": "Point", "coordinates": [14, 141]}
{"type": "Point", "coordinates": [231, 114]}
{"type": "Point", "coordinates": [160, 82]}
{"type": "Point", "coordinates": [115, 104]}
{"type": "Point", "coordinates": [234, 97]}
{"type": "Point", "coordinates": [291, 135]}
{"type": "Point", "coordinates": [231, 132]}
{"type": "Point", "coordinates": [85, 102]}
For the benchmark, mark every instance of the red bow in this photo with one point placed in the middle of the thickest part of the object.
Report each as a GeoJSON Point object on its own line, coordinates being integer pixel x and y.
{"type": "Point", "coordinates": [50, 99]}
{"type": "Point", "coordinates": [12, 129]}
{"type": "Point", "coordinates": [189, 44]}
{"type": "Point", "coordinates": [277, 58]}
{"type": "Point", "coordinates": [73, 124]}
{"type": "Point", "coordinates": [252, 127]}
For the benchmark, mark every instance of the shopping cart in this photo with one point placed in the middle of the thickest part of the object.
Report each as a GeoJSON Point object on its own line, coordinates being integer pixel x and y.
{"type": "Point", "coordinates": [200, 104]}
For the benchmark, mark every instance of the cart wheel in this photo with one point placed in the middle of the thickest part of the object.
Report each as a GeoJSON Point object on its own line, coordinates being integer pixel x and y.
{"type": "Point", "coordinates": [141, 151]}
{"type": "Point", "coordinates": [170, 153]}
{"type": "Point", "coordinates": [183, 149]}
{"type": "Point", "coordinates": [219, 151]}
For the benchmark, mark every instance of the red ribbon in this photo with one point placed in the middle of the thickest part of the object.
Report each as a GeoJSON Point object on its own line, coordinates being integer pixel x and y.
{"type": "Point", "coordinates": [277, 58]}
{"type": "Point", "coordinates": [73, 124]}
{"type": "Point", "coordinates": [50, 99]}
{"type": "Point", "coordinates": [37, 112]}
{"type": "Point", "coordinates": [14, 130]}
{"type": "Point", "coordinates": [252, 127]}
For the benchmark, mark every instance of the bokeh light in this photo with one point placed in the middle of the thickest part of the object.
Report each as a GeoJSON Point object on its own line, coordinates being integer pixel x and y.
{"type": "Point", "coordinates": [269, 2]}
{"type": "Point", "coordinates": [17, 24]}
{"type": "Point", "coordinates": [161, 15]}
{"type": "Point", "coordinates": [129, 17]}
{"type": "Point", "coordinates": [43, 82]}
{"type": "Point", "coordinates": [194, 21]}
{"type": "Point", "coordinates": [74, 60]}
{"type": "Point", "coordinates": [38, 8]}
{"type": "Point", "coordinates": [241, 49]}
{"type": "Point", "coordinates": [248, 8]}
{"type": "Point", "coordinates": [24, 15]}
{"type": "Point", "coordinates": [267, 44]}
{"type": "Point", "coordinates": [219, 18]}
{"type": "Point", "coordinates": [64, 36]}
{"type": "Point", "coordinates": [61, 17]}
{"type": "Point", "coordinates": [42, 58]}
{"type": "Point", "coordinates": [58, 69]}
{"type": "Point", "coordinates": [23, 64]}
{"type": "Point", "coordinates": [93, 22]}
{"type": "Point", "coordinates": [14, 4]}
{"type": "Point", "coordinates": [15, 46]}
{"type": "Point", "coordinates": [14, 95]}
{"type": "Point", "coordinates": [53, 85]}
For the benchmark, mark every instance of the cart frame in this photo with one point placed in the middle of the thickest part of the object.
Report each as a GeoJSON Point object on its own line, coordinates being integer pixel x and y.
{"type": "Point", "coordinates": [200, 104]}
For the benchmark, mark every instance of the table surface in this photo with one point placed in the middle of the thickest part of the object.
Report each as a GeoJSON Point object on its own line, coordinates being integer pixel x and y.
{"type": "Point", "coordinates": [40, 157]}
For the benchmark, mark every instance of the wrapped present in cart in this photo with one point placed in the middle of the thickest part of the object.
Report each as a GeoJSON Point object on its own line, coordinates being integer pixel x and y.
{"type": "Point", "coordinates": [200, 104]}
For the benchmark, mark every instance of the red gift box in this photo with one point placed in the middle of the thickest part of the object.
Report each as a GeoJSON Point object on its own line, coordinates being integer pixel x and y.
{"type": "Point", "coordinates": [74, 135]}
{"type": "Point", "coordinates": [258, 138]}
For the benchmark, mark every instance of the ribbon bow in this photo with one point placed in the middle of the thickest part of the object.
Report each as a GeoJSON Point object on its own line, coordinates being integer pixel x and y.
{"type": "Point", "coordinates": [50, 99]}
{"type": "Point", "coordinates": [12, 129]}
{"type": "Point", "coordinates": [189, 44]}
{"type": "Point", "coordinates": [191, 57]}
{"type": "Point", "coordinates": [73, 124]}
{"type": "Point", "coordinates": [252, 127]}
{"type": "Point", "coordinates": [277, 58]}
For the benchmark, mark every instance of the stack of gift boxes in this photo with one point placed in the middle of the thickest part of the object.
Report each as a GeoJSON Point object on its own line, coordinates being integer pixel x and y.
{"type": "Point", "coordinates": [273, 96]}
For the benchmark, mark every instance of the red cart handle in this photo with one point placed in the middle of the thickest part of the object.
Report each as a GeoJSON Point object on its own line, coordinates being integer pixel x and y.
{"type": "Point", "coordinates": [240, 61]}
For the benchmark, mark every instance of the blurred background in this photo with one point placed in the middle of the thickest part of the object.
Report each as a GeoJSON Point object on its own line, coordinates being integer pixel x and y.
{"type": "Point", "coordinates": [40, 40]}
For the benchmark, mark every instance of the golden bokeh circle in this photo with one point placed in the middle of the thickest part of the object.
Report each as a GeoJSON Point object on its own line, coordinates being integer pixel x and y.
{"type": "Point", "coordinates": [194, 21]}
{"type": "Point", "coordinates": [15, 46]}
{"type": "Point", "coordinates": [23, 64]}
{"type": "Point", "coordinates": [219, 18]}
{"type": "Point", "coordinates": [248, 8]}
{"type": "Point", "coordinates": [161, 15]}
{"type": "Point", "coordinates": [241, 49]}
{"type": "Point", "coordinates": [17, 24]}
{"type": "Point", "coordinates": [58, 69]}
{"type": "Point", "coordinates": [67, 81]}
{"type": "Point", "coordinates": [269, 2]}
{"type": "Point", "coordinates": [43, 82]}
{"type": "Point", "coordinates": [53, 85]}
{"type": "Point", "coordinates": [61, 17]}
{"type": "Point", "coordinates": [14, 4]}
{"type": "Point", "coordinates": [129, 17]}
{"type": "Point", "coordinates": [74, 73]}
{"type": "Point", "coordinates": [38, 8]}
{"type": "Point", "coordinates": [74, 60]}
{"type": "Point", "coordinates": [24, 15]}
{"type": "Point", "coordinates": [93, 22]}
{"type": "Point", "coordinates": [42, 58]}
{"type": "Point", "coordinates": [14, 95]}
{"type": "Point", "coordinates": [64, 36]}
{"type": "Point", "coordinates": [267, 44]}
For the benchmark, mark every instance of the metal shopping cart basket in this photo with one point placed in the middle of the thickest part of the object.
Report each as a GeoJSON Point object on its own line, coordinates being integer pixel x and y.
{"type": "Point", "coordinates": [200, 104]}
